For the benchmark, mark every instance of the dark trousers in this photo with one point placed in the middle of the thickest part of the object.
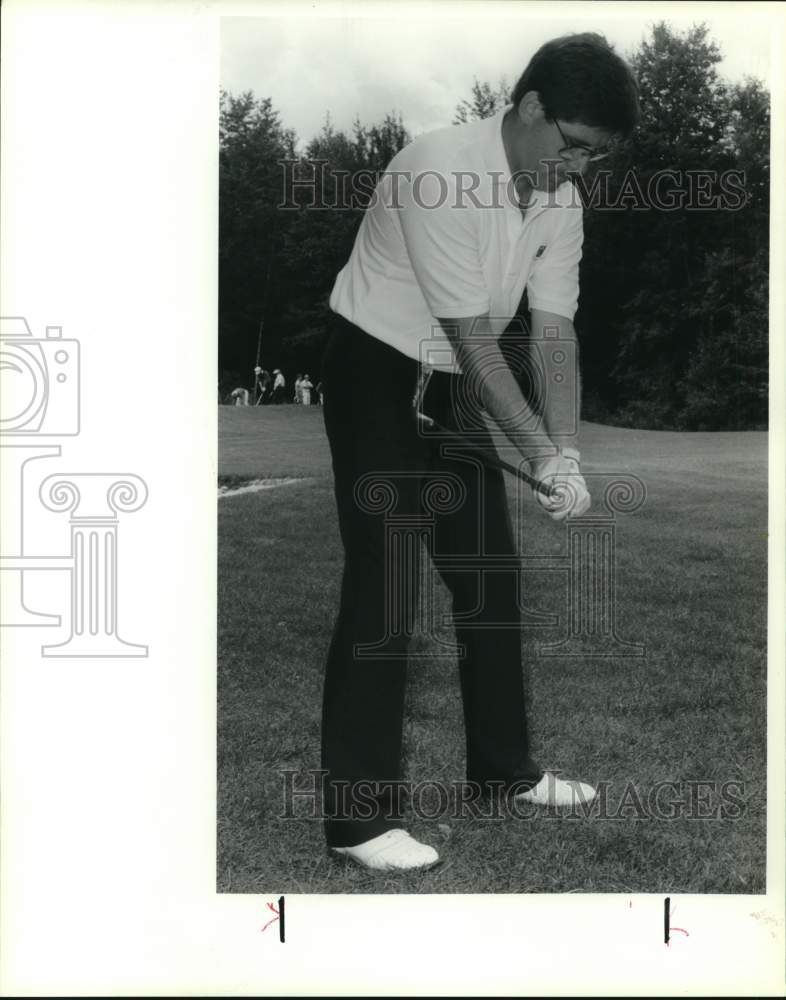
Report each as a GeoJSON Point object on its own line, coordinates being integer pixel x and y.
{"type": "Point", "coordinates": [393, 487]}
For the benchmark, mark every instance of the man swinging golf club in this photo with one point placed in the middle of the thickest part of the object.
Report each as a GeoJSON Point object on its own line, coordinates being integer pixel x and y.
{"type": "Point", "coordinates": [462, 222]}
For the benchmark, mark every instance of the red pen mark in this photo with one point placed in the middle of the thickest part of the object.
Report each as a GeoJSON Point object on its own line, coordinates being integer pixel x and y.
{"type": "Point", "coordinates": [274, 920]}
{"type": "Point", "coordinates": [279, 918]}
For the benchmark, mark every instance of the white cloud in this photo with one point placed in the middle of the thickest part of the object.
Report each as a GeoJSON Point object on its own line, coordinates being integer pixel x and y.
{"type": "Point", "coordinates": [423, 66]}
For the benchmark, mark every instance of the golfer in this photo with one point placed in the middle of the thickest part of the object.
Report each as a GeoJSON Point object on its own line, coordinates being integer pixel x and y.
{"type": "Point", "coordinates": [464, 220]}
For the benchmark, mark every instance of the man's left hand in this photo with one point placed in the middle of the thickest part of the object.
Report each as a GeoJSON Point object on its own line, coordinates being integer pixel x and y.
{"type": "Point", "coordinates": [569, 497]}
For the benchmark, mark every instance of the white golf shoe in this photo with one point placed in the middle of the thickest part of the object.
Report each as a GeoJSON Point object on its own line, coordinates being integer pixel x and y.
{"type": "Point", "coordinates": [553, 791]}
{"type": "Point", "coordinates": [395, 850]}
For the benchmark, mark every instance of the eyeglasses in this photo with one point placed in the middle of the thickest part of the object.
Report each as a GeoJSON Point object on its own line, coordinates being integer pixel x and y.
{"type": "Point", "coordinates": [578, 151]}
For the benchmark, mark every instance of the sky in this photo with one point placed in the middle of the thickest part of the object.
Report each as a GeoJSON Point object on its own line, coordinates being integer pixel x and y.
{"type": "Point", "coordinates": [366, 59]}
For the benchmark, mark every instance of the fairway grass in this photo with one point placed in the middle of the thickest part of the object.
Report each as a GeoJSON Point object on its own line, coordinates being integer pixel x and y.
{"type": "Point", "coordinates": [691, 587]}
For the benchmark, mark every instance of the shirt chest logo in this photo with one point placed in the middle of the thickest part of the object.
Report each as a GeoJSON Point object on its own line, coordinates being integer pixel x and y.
{"type": "Point", "coordinates": [540, 251]}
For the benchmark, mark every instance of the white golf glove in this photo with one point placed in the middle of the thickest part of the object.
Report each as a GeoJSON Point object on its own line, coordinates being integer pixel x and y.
{"type": "Point", "coordinates": [562, 471]}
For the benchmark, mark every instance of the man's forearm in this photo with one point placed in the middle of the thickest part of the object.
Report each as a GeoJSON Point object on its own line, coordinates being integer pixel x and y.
{"type": "Point", "coordinates": [562, 400]}
{"type": "Point", "coordinates": [483, 364]}
{"type": "Point", "coordinates": [556, 354]}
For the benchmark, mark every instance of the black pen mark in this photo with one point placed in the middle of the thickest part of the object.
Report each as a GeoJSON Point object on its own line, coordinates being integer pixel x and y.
{"type": "Point", "coordinates": [279, 916]}
{"type": "Point", "coordinates": [667, 928]}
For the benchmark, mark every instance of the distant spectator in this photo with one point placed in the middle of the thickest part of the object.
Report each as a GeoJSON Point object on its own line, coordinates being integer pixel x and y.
{"type": "Point", "coordinates": [240, 397]}
{"type": "Point", "coordinates": [297, 398]}
{"type": "Point", "coordinates": [321, 393]}
{"type": "Point", "coordinates": [279, 386]}
{"type": "Point", "coordinates": [263, 386]}
{"type": "Point", "coordinates": [305, 390]}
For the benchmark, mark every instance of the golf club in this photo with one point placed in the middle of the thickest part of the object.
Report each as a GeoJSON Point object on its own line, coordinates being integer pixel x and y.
{"type": "Point", "coordinates": [488, 457]}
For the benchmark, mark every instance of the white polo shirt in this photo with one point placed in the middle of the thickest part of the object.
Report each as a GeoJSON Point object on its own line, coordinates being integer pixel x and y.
{"type": "Point", "coordinates": [444, 236]}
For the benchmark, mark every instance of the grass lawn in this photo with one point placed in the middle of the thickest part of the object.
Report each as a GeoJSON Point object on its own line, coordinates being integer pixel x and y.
{"type": "Point", "coordinates": [692, 587]}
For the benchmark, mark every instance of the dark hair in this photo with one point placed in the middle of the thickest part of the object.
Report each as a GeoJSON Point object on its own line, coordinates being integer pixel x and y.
{"type": "Point", "coordinates": [580, 78]}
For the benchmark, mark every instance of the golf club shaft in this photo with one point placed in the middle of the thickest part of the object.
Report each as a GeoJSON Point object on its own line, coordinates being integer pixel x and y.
{"type": "Point", "coordinates": [488, 457]}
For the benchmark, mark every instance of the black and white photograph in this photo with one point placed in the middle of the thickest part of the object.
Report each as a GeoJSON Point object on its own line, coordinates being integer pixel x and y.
{"type": "Point", "coordinates": [492, 535]}
{"type": "Point", "coordinates": [392, 467]}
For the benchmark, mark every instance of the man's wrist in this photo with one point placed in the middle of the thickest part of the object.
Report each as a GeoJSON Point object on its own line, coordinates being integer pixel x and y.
{"type": "Point", "coordinates": [570, 452]}
{"type": "Point", "coordinates": [539, 462]}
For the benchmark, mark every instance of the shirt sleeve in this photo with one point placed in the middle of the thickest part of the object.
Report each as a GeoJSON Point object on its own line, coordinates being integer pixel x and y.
{"type": "Point", "coordinates": [553, 284]}
{"type": "Point", "coordinates": [442, 240]}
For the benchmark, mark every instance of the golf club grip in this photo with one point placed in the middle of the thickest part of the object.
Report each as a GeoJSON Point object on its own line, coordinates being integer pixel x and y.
{"type": "Point", "coordinates": [490, 458]}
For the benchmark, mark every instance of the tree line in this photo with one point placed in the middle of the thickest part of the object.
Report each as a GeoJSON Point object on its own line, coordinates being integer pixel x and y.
{"type": "Point", "coordinates": [673, 314]}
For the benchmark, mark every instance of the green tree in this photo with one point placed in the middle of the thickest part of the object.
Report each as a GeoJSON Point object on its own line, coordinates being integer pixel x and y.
{"type": "Point", "coordinates": [252, 144]}
{"type": "Point", "coordinates": [484, 102]}
{"type": "Point", "coordinates": [725, 382]}
{"type": "Point", "coordinates": [374, 147]}
{"type": "Point", "coordinates": [666, 292]}
{"type": "Point", "coordinates": [335, 180]}
{"type": "Point", "coordinates": [690, 346]}
{"type": "Point", "coordinates": [286, 227]}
